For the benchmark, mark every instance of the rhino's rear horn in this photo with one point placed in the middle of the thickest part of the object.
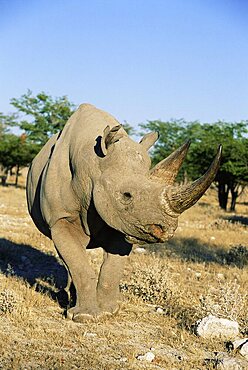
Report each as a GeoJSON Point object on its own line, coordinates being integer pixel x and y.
{"type": "Point", "coordinates": [183, 197]}
{"type": "Point", "coordinates": [149, 139]}
{"type": "Point", "coordinates": [168, 168]}
{"type": "Point", "coordinates": [110, 136]}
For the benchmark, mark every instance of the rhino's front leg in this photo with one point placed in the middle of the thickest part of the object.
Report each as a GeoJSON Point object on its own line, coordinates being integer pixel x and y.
{"type": "Point", "coordinates": [71, 243]}
{"type": "Point", "coordinates": [108, 282]}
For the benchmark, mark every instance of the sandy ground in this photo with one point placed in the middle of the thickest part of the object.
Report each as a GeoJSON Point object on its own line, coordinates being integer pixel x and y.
{"type": "Point", "coordinates": [203, 263]}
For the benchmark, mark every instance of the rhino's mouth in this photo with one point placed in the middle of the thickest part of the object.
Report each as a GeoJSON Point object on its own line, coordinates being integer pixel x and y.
{"type": "Point", "coordinates": [152, 233]}
{"type": "Point", "coordinates": [134, 240]}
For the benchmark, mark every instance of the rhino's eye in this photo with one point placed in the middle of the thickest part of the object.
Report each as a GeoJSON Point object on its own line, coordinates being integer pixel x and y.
{"type": "Point", "coordinates": [127, 197]}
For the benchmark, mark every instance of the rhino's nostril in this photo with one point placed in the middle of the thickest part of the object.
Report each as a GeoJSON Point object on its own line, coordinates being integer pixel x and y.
{"type": "Point", "coordinates": [126, 197]}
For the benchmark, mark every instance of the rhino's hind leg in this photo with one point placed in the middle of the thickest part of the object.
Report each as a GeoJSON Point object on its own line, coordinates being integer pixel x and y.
{"type": "Point", "coordinates": [108, 282]}
{"type": "Point", "coordinates": [71, 243]}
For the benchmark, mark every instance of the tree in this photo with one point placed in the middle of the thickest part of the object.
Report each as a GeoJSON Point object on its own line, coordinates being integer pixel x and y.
{"type": "Point", "coordinates": [205, 138]}
{"type": "Point", "coordinates": [5, 122]}
{"type": "Point", "coordinates": [44, 115]}
{"type": "Point", "coordinates": [16, 151]}
{"type": "Point", "coordinates": [233, 173]}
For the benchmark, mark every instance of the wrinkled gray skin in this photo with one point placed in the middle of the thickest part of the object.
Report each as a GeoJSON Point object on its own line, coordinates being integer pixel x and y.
{"type": "Point", "coordinates": [92, 186]}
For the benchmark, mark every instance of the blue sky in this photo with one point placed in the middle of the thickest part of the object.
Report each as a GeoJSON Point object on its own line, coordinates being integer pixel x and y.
{"type": "Point", "coordinates": [137, 59]}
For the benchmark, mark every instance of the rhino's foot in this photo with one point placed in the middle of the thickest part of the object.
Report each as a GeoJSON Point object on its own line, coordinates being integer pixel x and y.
{"type": "Point", "coordinates": [111, 309]}
{"type": "Point", "coordinates": [77, 314]}
{"type": "Point", "coordinates": [82, 317]}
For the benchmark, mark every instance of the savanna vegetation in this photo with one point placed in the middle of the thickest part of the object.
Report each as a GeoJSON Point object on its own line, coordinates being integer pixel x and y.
{"type": "Point", "coordinates": [166, 288]}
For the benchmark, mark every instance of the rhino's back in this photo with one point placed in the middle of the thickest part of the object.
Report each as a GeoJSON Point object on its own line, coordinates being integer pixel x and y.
{"type": "Point", "coordinates": [85, 126]}
{"type": "Point", "coordinates": [61, 175]}
{"type": "Point", "coordinates": [34, 180]}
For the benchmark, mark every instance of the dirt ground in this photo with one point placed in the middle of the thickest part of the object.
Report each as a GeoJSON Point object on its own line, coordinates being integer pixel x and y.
{"type": "Point", "coordinates": [165, 290]}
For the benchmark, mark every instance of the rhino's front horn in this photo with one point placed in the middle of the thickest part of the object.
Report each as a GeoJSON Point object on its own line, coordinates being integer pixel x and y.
{"type": "Point", "coordinates": [168, 168]}
{"type": "Point", "coordinates": [183, 197]}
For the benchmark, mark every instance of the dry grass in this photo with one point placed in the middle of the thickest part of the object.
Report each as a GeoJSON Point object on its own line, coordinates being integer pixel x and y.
{"type": "Point", "coordinates": [192, 275]}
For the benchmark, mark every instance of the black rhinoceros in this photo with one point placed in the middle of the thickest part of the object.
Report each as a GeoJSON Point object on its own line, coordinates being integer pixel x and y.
{"type": "Point", "coordinates": [92, 186]}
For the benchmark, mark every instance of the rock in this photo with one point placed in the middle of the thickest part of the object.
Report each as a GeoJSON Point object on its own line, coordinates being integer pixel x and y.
{"type": "Point", "coordinates": [242, 346]}
{"type": "Point", "coordinates": [231, 363]}
{"type": "Point", "coordinates": [198, 275]}
{"type": "Point", "coordinates": [148, 356]}
{"type": "Point", "coordinates": [244, 350]}
{"type": "Point", "coordinates": [160, 310]}
{"type": "Point", "coordinates": [211, 326]}
{"type": "Point", "coordinates": [220, 276]}
{"type": "Point", "coordinates": [90, 335]}
{"type": "Point", "coordinates": [222, 361]}
{"type": "Point", "coordinates": [238, 343]}
{"type": "Point", "coordinates": [123, 359]}
{"type": "Point", "coordinates": [140, 250]}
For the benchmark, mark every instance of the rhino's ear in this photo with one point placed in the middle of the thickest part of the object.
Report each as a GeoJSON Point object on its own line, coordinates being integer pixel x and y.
{"type": "Point", "coordinates": [149, 139]}
{"type": "Point", "coordinates": [110, 136]}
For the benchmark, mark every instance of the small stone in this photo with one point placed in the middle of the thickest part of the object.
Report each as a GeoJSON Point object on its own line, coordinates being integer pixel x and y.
{"type": "Point", "coordinates": [198, 275]}
{"type": "Point", "coordinates": [148, 356]}
{"type": "Point", "coordinates": [244, 350]}
{"type": "Point", "coordinates": [239, 343]}
{"type": "Point", "coordinates": [231, 364]}
{"type": "Point", "coordinates": [220, 276]}
{"type": "Point", "coordinates": [159, 310]}
{"type": "Point", "coordinates": [212, 238]}
{"type": "Point", "coordinates": [140, 250]}
{"type": "Point", "coordinates": [123, 359]}
{"type": "Point", "coordinates": [90, 335]}
{"type": "Point", "coordinates": [211, 326]}
{"type": "Point", "coordinates": [222, 361]}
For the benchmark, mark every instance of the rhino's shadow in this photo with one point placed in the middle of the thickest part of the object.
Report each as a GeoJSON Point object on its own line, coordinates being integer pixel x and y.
{"type": "Point", "coordinates": [190, 249]}
{"type": "Point", "coordinates": [33, 266]}
{"type": "Point", "coordinates": [234, 219]}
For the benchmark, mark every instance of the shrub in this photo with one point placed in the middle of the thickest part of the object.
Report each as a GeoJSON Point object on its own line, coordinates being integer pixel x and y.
{"type": "Point", "coordinates": [8, 301]}
{"type": "Point", "coordinates": [151, 282]}
{"type": "Point", "coordinates": [226, 300]}
{"type": "Point", "coordinates": [237, 255]}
